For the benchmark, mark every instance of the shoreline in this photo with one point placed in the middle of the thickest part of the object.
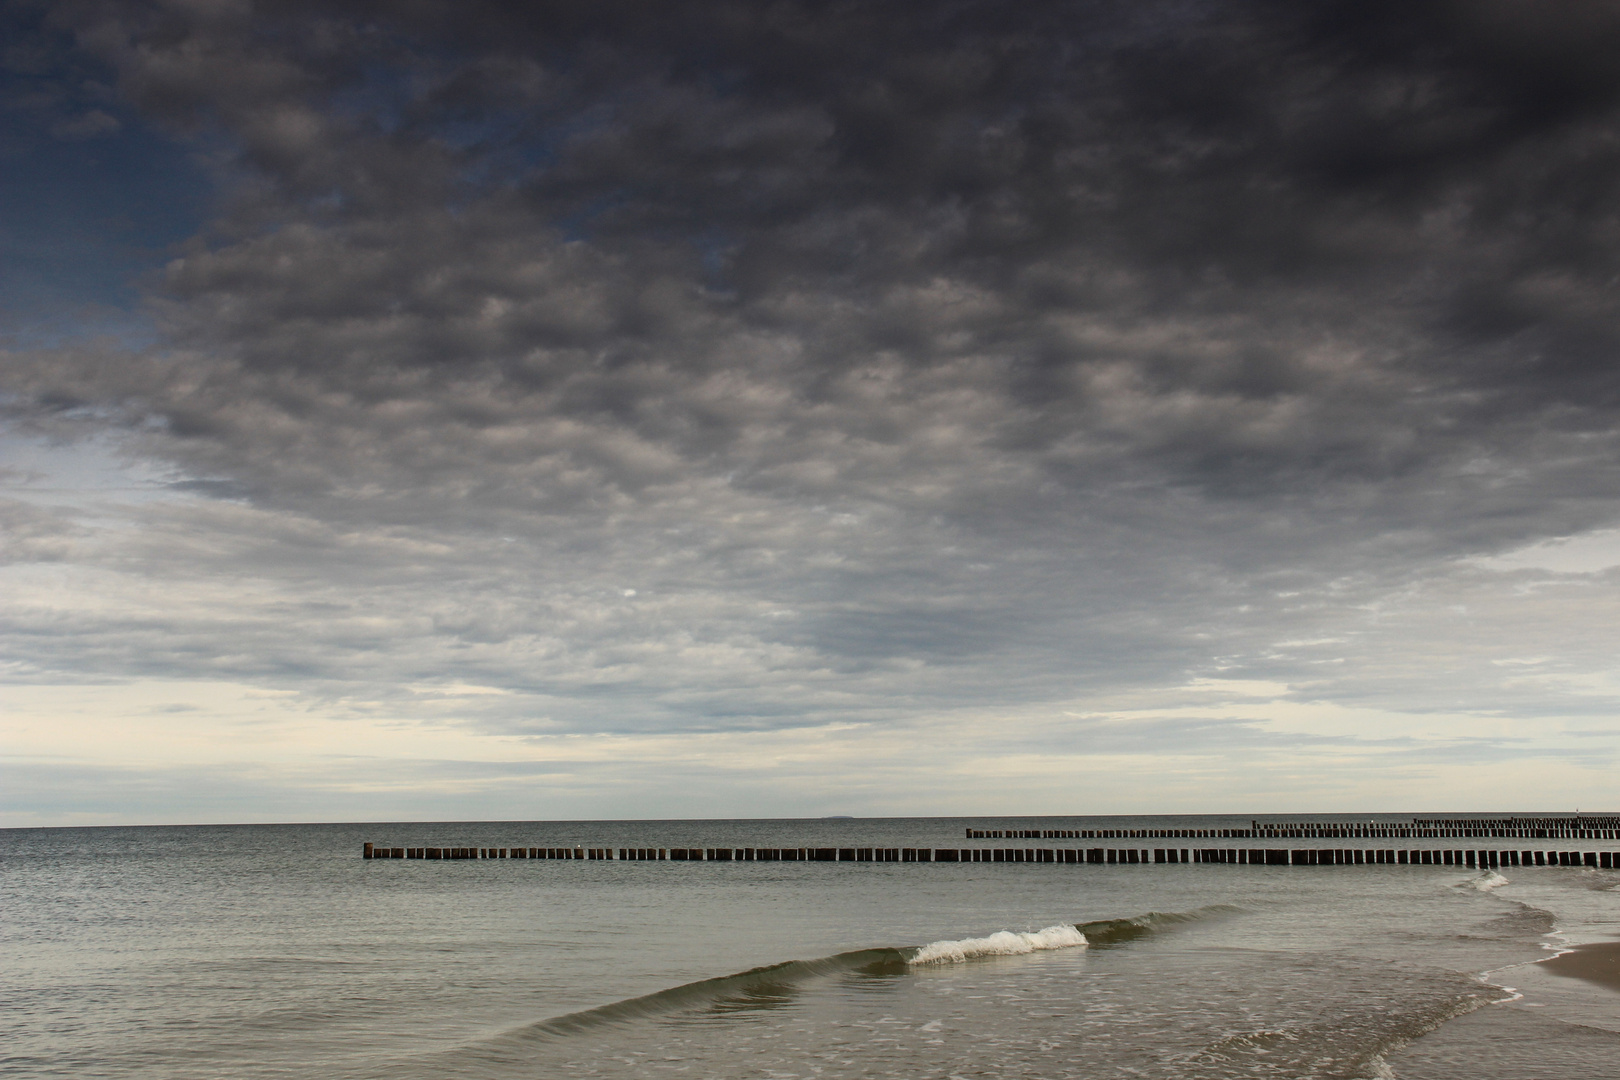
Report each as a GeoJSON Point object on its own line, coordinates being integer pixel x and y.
{"type": "Point", "coordinates": [1597, 963]}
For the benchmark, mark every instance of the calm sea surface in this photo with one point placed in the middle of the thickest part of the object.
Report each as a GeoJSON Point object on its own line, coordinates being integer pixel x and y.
{"type": "Point", "coordinates": [275, 951]}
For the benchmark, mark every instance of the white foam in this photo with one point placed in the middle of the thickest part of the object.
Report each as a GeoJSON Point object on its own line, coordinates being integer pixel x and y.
{"type": "Point", "coordinates": [1485, 882]}
{"type": "Point", "coordinates": [1379, 1069]}
{"type": "Point", "coordinates": [1003, 943]}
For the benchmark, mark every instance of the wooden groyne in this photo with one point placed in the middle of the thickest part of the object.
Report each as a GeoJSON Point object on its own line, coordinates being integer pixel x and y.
{"type": "Point", "coordinates": [1469, 858]}
{"type": "Point", "coordinates": [1511, 828]}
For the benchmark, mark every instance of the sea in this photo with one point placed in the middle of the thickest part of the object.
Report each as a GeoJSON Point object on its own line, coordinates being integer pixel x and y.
{"type": "Point", "coordinates": [259, 951]}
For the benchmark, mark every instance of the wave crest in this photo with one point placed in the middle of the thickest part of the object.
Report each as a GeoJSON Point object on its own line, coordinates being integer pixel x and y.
{"type": "Point", "coordinates": [761, 987]}
{"type": "Point", "coordinates": [1003, 943]}
{"type": "Point", "coordinates": [1485, 882]}
{"type": "Point", "coordinates": [1120, 931]}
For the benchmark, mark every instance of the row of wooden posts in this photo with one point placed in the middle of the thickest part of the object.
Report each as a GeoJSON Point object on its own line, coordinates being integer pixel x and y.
{"type": "Point", "coordinates": [1604, 827]}
{"type": "Point", "coordinates": [1472, 859]}
{"type": "Point", "coordinates": [1521, 829]}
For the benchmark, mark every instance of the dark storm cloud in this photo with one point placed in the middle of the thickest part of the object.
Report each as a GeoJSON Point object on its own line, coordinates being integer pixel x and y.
{"type": "Point", "coordinates": [890, 354]}
{"type": "Point", "coordinates": [1053, 195]}
{"type": "Point", "coordinates": [91, 193]}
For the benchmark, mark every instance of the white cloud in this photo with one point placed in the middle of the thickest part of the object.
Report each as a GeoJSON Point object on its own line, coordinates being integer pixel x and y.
{"type": "Point", "coordinates": [1588, 553]}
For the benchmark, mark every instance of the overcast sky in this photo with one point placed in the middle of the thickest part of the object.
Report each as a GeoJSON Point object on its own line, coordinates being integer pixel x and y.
{"type": "Point", "coordinates": [743, 408]}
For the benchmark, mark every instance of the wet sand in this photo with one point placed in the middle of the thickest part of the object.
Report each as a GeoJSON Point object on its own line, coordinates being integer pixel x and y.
{"type": "Point", "coordinates": [1598, 963]}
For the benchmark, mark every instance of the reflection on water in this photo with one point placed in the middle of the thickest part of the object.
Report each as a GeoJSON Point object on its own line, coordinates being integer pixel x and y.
{"type": "Point", "coordinates": [761, 997]}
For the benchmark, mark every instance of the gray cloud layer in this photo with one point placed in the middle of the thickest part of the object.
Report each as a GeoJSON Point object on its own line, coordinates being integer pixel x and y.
{"type": "Point", "coordinates": [714, 365]}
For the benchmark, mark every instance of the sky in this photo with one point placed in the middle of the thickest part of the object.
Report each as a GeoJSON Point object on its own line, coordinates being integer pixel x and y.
{"type": "Point", "coordinates": [762, 408]}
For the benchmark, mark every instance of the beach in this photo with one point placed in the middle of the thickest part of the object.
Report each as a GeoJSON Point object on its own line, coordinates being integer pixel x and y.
{"type": "Point", "coordinates": [1598, 963]}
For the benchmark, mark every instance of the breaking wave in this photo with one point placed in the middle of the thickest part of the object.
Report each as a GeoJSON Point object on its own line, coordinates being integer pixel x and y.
{"type": "Point", "coordinates": [780, 986]}
{"type": "Point", "coordinates": [1004, 943]}
{"type": "Point", "coordinates": [763, 987]}
{"type": "Point", "coordinates": [1485, 882]}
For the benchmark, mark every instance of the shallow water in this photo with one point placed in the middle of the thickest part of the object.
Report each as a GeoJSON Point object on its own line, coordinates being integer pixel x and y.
{"type": "Point", "coordinates": [274, 950]}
